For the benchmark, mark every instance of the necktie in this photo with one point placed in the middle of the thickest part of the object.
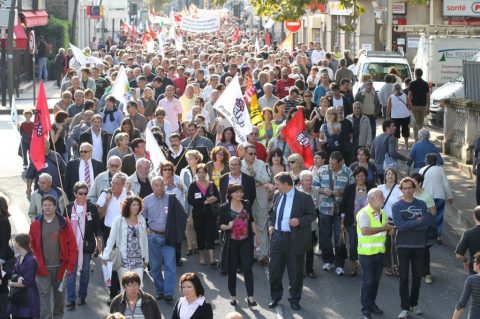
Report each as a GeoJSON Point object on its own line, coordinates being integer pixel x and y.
{"type": "Point", "coordinates": [87, 174]}
{"type": "Point", "coordinates": [280, 212]}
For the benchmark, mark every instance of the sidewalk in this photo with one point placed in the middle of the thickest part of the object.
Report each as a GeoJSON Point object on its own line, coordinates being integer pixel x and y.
{"type": "Point", "coordinates": [25, 99]}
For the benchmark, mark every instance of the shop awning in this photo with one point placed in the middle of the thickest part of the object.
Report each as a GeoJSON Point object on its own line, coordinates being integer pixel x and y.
{"type": "Point", "coordinates": [34, 18]}
{"type": "Point", "coordinates": [19, 38]}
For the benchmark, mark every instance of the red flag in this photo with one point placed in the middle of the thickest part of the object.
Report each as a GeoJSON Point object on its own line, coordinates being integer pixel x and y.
{"type": "Point", "coordinates": [146, 38]}
{"type": "Point", "coordinates": [236, 36]}
{"type": "Point", "coordinates": [124, 26]}
{"type": "Point", "coordinates": [249, 88]}
{"type": "Point", "coordinates": [267, 38]}
{"type": "Point", "coordinates": [40, 130]}
{"type": "Point", "coordinates": [296, 136]}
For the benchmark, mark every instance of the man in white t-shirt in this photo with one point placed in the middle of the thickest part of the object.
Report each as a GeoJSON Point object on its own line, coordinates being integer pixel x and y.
{"type": "Point", "coordinates": [318, 54]}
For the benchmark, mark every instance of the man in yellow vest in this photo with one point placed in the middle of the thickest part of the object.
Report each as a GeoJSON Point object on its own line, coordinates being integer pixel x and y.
{"type": "Point", "coordinates": [372, 228]}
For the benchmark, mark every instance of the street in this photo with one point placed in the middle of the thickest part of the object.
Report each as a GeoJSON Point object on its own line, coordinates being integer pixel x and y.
{"type": "Point", "coordinates": [328, 296]}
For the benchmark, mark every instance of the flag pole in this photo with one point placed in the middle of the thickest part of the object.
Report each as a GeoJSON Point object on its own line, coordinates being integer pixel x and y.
{"type": "Point", "coordinates": [189, 143]}
{"type": "Point", "coordinates": [59, 175]}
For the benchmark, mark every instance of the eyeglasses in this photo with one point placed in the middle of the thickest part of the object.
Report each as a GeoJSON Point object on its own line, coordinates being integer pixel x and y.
{"type": "Point", "coordinates": [292, 162]}
{"type": "Point", "coordinates": [234, 164]}
{"type": "Point", "coordinates": [84, 152]}
{"type": "Point", "coordinates": [82, 193]}
{"type": "Point", "coordinates": [252, 153]}
{"type": "Point", "coordinates": [167, 169]}
{"type": "Point", "coordinates": [307, 96]}
{"type": "Point", "coordinates": [114, 166]}
{"type": "Point", "coordinates": [220, 154]}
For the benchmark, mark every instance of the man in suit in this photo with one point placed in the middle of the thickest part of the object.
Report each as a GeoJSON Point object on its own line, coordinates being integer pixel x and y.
{"type": "Point", "coordinates": [289, 227]}
{"type": "Point", "coordinates": [83, 169]}
{"type": "Point", "coordinates": [129, 161]}
{"type": "Point", "coordinates": [236, 176]}
{"type": "Point", "coordinates": [98, 138]}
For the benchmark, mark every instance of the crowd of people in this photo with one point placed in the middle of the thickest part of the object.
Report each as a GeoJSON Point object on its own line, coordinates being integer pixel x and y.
{"type": "Point", "coordinates": [97, 195]}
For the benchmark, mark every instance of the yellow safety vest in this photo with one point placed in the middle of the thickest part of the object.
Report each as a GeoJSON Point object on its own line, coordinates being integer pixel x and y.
{"type": "Point", "coordinates": [371, 244]}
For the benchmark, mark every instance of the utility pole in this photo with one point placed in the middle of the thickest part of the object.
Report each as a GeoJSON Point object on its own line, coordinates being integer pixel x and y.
{"type": "Point", "coordinates": [11, 24]}
{"type": "Point", "coordinates": [389, 40]}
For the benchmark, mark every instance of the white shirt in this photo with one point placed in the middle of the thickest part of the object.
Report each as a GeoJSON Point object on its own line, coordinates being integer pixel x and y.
{"type": "Point", "coordinates": [287, 211]}
{"type": "Point", "coordinates": [97, 147]}
{"type": "Point", "coordinates": [81, 171]}
{"type": "Point", "coordinates": [317, 56]}
{"type": "Point", "coordinates": [436, 182]}
{"type": "Point", "coordinates": [234, 180]}
{"type": "Point", "coordinates": [338, 102]}
{"type": "Point", "coordinates": [114, 207]}
{"type": "Point", "coordinates": [186, 309]}
{"type": "Point", "coordinates": [204, 113]}
{"type": "Point", "coordinates": [399, 106]}
{"type": "Point", "coordinates": [394, 197]}
{"type": "Point", "coordinates": [329, 71]}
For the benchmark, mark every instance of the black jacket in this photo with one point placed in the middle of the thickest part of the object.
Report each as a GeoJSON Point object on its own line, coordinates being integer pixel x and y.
{"type": "Point", "coordinates": [128, 164]}
{"type": "Point", "coordinates": [87, 137]}
{"type": "Point", "coordinates": [72, 175]}
{"type": "Point", "coordinates": [180, 162]}
{"type": "Point", "coordinates": [303, 209]}
{"type": "Point", "coordinates": [92, 226]}
{"type": "Point", "coordinates": [203, 312]}
{"type": "Point", "coordinates": [348, 202]}
{"type": "Point", "coordinates": [206, 212]}
{"type": "Point", "coordinates": [176, 222]}
{"type": "Point", "coordinates": [248, 183]}
{"type": "Point", "coordinates": [149, 306]}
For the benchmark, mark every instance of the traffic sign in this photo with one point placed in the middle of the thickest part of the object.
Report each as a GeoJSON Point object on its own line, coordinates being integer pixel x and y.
{"type": "Point", "coordinates": [293, 26]}
{"type": "Point", "coordinates": [31, 42]}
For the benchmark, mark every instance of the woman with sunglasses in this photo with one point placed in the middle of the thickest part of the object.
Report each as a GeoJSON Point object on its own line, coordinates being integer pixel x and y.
{"type": "Point", "coordinates": [129, 235]}
{"type": "Point", "coordinates": [202, 195]}
{"type": "Point", "coordinates": [308, 104]}
{"type": "Point", "coordinates": [295, 163]}
{"type": "Point", "coordinates": [472, 288]}
{"type": "Point", "coordinates": [236, 220]}
{"type": "Point", "coordinates": [218, 166]}
{"type": "Point", "coordinates": [86, 227]}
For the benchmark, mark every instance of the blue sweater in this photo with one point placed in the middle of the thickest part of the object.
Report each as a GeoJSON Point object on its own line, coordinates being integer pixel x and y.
{"type": "Point", "coordinates": [410, 232]}
{"type": "Point", "coordinates": [420, 150]}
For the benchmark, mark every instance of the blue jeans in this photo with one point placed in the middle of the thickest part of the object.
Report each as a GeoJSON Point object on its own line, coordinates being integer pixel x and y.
{"type": "Point", "coordinates": [372, 267]}
{"type": "Point", "coordinates": [329, 225]}
{"type": "Point", "coordinates": [42, 69]}
{"type": "Point", "coordinates": [84, 279]}
{"type": "Point", "coordinates": [158, 251]}
{"type": "Point", "coordinates": [440, 206]}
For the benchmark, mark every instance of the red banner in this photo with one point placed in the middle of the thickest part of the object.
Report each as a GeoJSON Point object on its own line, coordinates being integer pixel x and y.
{"type": "Point", "coordinates": [296, 136]}
{"type": "Point", "coordinates": [40, 130]}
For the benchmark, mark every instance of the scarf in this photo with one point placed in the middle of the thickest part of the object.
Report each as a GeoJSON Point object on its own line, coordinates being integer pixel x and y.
{"type": "Point", "coordinates": [78, 226]}
{"type": "Point", "coordinates": [112, 118]}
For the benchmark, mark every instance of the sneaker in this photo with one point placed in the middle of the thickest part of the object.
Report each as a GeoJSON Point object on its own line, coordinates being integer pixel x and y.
{"type": "Point", "coordinates": [339, 271]}
{"type": "Point", "coordinates": [416, 311]}
{"type": "Point", "coordinates": [428, 279]}
{"type": "Point", "coordinates": [327, 266]}
{"type": "Point", "coordinates": [403, 314]}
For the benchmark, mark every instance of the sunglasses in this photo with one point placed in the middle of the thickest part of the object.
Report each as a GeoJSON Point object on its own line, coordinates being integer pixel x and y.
{"type": "Point", "coordinates": [252, 153]}
{"type": "Point", "coordinates": [84, 152]}
{"type": "Point", "coordinates": [220, 154]}
{"type": "Point", "coordinates": [134, 232]}
{"type": "Point", "coordinates": [82, 193]}
{"type": "Point", "coordinates": [292, 162]}
{"type": "Point", "coordinates": [307, 96]}
{"type": "Point", "coordinates": [114, 166]}
{"type": "Point", "coordinates": [167, 169]}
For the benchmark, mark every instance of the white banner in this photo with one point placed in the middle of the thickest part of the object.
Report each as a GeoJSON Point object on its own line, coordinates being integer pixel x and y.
{"type": "Point", "coordinates": [82, 58]}
{"type": "Point", "coordinates": [200, 25]}
{"type": "Point", "coordinates": [232, 105]}
{"type": "Point", "coordinates": [154, 153]}
{"type": "Point", "coordinates": [121, 89]}
{"type": "Point", "coordinates": [461, 8]}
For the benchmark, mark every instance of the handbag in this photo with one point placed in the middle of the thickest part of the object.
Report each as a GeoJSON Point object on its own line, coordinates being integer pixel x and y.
{"type": "Point", "coordinates": [116, 258]}
{"type": "Point", "coordinates": [215, 206]}
{"type": "Point", "coordinates": [18, 296]}
{"type": "Point", "coordinates": [341, 249]}
{"type": "Point", "coordinates": [388, 161]}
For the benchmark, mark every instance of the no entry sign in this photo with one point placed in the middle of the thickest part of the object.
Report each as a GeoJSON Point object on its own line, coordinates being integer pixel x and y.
{"type": "Point", "coordinates": [31, 42]}
{"type": "Point", "coordinates": [293, 26]}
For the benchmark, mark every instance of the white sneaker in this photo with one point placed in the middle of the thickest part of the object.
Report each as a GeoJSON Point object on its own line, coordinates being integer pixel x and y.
{"type": "Point", "coordinates": [339, 271]}
{"type": "Point", "coordinates": [327, 266]}
{"type": "Point", "coordinates": [416, 311]}
{"type": "Point", "coordinates": [403, 314]}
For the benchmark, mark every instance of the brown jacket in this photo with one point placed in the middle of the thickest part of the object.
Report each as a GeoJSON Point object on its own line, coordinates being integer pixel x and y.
{"type": "Point", "coordinates": [149, 305]}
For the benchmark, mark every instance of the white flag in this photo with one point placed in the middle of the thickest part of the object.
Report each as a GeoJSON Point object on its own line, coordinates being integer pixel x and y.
{"type": "Point", "coordinates": [82, 58]}
{"type": "Point", "coordinates": [269, 23]}
{"type": "Point", "coordinates": [257, 45]}
{"type": "Point", "coordinates": [121, 88]}
{"type": "Point", "coordinates": [232, 105]}
{"type": "Point", "coordinates": [14, 113]}
{"type": "Point", "coordinates": [154, 153]}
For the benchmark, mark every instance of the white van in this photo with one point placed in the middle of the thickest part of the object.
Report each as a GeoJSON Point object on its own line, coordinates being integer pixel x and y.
{"type": "Point", "coordinates": [378, 64]}
{"type": "Point", "coordinates": [453, 89]}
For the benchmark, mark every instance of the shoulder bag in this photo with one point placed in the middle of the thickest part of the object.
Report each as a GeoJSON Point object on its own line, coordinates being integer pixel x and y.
{"type": "Point", "coordinates": [115, 255]}
{"type": "Point", "coordinates": [432, 232]}
{"type": "Point", "coordinates": [388, 161]}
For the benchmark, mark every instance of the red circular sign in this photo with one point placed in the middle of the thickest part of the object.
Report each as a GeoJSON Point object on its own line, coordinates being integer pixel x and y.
{"type": "Point", "coordinates": [293, 26]}
{"type": "Point", "coordinates": [31, 42]}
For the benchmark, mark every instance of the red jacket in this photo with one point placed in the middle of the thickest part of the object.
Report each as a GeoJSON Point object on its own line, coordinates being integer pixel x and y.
{"type": "Point", "coordinates": [68, 246]}
{"type": "Point", "coordinates": [282, 87]}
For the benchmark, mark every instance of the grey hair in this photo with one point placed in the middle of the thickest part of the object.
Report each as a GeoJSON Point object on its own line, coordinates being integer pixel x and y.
{"type": "Point", "coordinates": [373, 193]}
{"type": "Point", "coordinates": [141, 161]}
{"type": "Point", "coordinates": [357, 103]}
{"type": "Point", "coordinates": [121, 176]}
{"type": "Point", "coordinates": [305, 173]}
{"type": "Point", "coordinates": [157, 178]}
{"type": "Point", "coordinates": [47, 176]}
{"type": "Point", "coordinates": [114, 157]}
{"type": "Point", "coordinates": [424, 134]}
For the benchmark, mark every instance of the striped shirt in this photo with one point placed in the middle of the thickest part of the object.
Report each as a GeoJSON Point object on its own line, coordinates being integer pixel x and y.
{"type": "Point", "coordinates": [341, 179]}
{"type": "Point", "coordinates": [472, 288]}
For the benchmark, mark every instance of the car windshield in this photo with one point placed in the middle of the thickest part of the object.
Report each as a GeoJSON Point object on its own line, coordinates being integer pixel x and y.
{"type": "Point", "coordinates": [458, 78]}
{"type": "Point", "coordinates": [379, 70]}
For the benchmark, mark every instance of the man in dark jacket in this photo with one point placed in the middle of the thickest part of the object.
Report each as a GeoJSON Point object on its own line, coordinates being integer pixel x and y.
{"type": "Point", "coordinates": [166, 221]}
{"type": "Point", "coordinates": [236, 176]}
{"type": "Point", "coordinates": [56, 257]}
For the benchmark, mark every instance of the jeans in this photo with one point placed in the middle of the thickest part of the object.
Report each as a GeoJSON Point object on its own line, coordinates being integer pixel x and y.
{"type": "Point", "coordinates": [46, 285]}
{"type": "Point", "coordinates": [372, 267]}
{"type": "Point", "coordinates": [328, 225]}
{"type": "Point", "coordinates": [373, 125]}
{"type": "Point", "coordinates": [84, 279]}
{"type": "Point", "coordinates": [42, 69]}
{"type": "Point", "coordinates": [440, 206]}
{"type": "Point", "coordinates": [390, 257]}
{"type": "Point", "coordinates": [4, 305]}
{"type": "Point", "coordinates": [407, 256]}
{"type": "Point", "coordinates": [160, 253]}
{"type": "Point", "coordinates": [310, 254]}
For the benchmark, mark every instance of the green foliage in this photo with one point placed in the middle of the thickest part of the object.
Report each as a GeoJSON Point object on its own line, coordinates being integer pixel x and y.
{"type": "Point", "coordinates": [57, 33]}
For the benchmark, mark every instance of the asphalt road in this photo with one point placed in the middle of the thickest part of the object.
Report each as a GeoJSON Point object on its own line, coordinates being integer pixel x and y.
{"type": "Point", "coordinates": [327, 297]}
